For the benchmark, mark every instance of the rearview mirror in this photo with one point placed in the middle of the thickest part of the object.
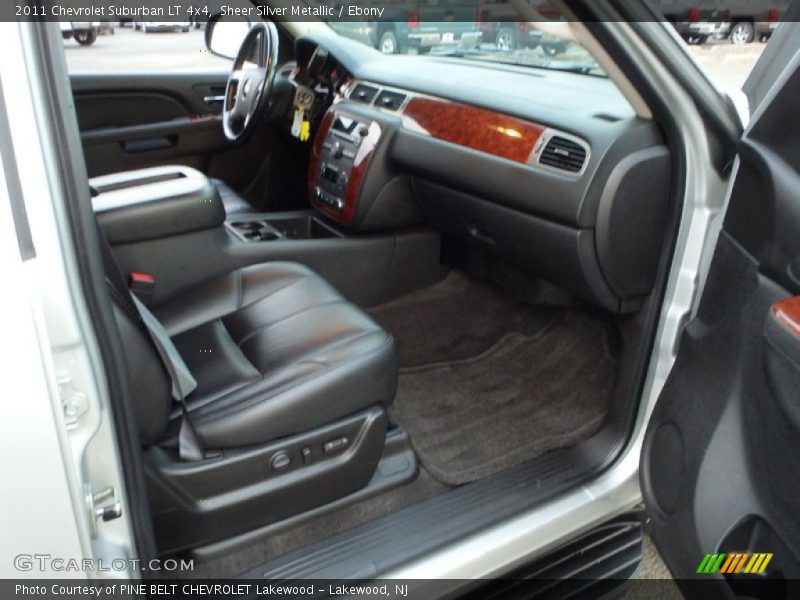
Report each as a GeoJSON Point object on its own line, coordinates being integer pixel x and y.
{"type": "Point", "coordinates": [224, 35]}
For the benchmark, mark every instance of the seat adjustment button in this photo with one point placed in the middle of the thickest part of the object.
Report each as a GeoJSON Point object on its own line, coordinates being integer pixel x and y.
{"type": "Point", "coordinates": [280, 462]}
{"type": "Point", "coordinates": [305, 452]}
{"type": "Point", "coordinates": [335, 445]}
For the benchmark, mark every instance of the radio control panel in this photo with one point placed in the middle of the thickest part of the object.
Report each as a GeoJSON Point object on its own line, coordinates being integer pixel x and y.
{"type": "Point", "coordinates": [340, 157]}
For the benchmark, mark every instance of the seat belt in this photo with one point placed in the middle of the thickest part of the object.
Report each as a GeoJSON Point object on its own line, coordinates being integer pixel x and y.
{"type": "Point", "coordinates": [190, 447]}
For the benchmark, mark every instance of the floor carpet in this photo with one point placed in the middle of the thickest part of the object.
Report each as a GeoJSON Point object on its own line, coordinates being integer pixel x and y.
{"type": "Point", "coordinates": [487, 382]}
{"type": "Point", "coordinates": [456, 318]}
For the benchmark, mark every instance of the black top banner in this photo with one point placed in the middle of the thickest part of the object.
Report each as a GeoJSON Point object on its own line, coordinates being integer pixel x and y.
{"type": "Point", "coordinates": [115, 11]}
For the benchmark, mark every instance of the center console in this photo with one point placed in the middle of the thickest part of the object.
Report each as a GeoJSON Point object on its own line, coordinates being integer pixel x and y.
{"type": "Point", "coordinates": [170, 223]}
{"type": "Point", "coordinates": [343, 149]}
{"type": "Point", "coordinates": [281, 226]}
{"type": "Point", "coordinates": [154, 203]}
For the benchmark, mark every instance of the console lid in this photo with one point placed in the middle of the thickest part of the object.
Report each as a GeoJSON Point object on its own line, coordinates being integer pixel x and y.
{"type": "Point", "coordinates": [154, 203]}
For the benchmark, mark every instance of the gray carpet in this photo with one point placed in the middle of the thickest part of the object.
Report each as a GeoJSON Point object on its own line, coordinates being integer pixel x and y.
{"type": "Point", "coordinates": [524, 396]}
{"type": "Point", "coordinates": [454, 319]}
{"type": "Point", "coordinates": [488, 381]}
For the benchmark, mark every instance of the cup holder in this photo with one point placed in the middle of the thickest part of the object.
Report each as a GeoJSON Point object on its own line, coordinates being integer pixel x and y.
{"type": "Point", "coordinates": [306, 227]}
{"type": "Point", "coordinates": [255, 231]}
{"type": "Point", "coordinates": [248, 225]}
{"type": "Point", "coordinates": [258, 235]}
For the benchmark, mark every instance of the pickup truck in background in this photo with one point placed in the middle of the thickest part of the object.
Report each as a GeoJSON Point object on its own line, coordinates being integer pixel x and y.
{"type": "Point", "coordinates": [415, 26]}
{"type": "Point", "coordinates": [83, 32]}
{"type": "Point", "coordinates": [502, 24]}
{"type": "Point", "coordinates": [739, 21]}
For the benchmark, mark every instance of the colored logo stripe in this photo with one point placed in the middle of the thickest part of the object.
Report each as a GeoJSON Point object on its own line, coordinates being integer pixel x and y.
{"type": "Point", "coordinates": [758, 563]}
{"type": "Point", "coordinates": [711, 563]}
{"type": "Point", "coordinates": [734, 563]}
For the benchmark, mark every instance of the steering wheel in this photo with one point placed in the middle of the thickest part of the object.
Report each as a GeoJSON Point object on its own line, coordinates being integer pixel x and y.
{"type": "Point", "coordinates": [250, 82]}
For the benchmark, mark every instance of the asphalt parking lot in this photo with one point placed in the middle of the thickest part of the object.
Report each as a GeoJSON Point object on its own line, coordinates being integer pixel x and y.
{"type": "Point", "coordinates": [728, 65]}
{"type": "Point", "coordinates": [130, 51]}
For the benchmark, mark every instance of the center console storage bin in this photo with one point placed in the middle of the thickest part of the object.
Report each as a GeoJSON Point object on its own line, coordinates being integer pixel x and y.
{"type": "Point", "coordinates": [155, 203]}
{"type": "Point", "coordinates": [283, 227]}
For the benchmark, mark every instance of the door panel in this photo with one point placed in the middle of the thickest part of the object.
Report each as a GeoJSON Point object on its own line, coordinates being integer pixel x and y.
{"type": "Point", "coordinates": [720, 460]}
{"type": "Point", "coordinates": [132, 121]}
{"type": "Point", "coordinates": [187, 90]}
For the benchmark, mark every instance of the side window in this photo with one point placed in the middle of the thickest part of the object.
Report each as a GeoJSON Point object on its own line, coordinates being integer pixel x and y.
{"type": "Point", "coordinates": [727, 37]}
{"type": "Point", "coordinates": [138, 46]}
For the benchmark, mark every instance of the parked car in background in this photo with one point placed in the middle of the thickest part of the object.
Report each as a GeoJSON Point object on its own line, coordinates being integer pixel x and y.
{"type": "Point", "coordinates": [509, 36]}
{"type": "Point", "coordinates": [415, 27]}
{"type": "Point", "coordinates": [740, 21]}
{"type": "Point", "coordinates": [83, 32]}
{"type": "Point", "coordinates": [765, 28]}
{"type": "Point", "coordinates": [697, 25]}
{"type": "Point", "coordinates": [148, 26]}
{"type": "Point", "coordinates": [502, 23]}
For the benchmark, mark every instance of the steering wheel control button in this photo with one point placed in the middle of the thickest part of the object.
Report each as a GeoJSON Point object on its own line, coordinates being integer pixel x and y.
{"type": "Point", "coordinates": [335, 445]}
{"type": "Point", "coordinates": [305, 452]}
{"type": "Point", "coordinates": [280, 462]}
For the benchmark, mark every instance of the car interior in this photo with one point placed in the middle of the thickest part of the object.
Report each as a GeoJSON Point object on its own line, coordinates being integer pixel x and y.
{"type": "Point", "coordinates": [428, 316]}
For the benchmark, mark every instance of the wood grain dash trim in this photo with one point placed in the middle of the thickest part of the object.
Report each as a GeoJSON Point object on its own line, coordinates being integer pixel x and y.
{"type": "Point", "coordinates": [477, 128]}
{"type": "Point", "coordinates": [787, 312]}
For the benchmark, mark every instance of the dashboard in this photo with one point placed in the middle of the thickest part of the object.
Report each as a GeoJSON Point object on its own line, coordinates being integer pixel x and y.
{"type": "Point", "coordinates": [544, 169]}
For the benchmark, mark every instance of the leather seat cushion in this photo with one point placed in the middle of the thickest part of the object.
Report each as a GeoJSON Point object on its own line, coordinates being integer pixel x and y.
{"type": "Point", "coordinates": [276, 350]}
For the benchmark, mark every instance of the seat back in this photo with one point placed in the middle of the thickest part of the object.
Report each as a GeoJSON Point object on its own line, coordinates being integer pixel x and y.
{"type": "Point", "coordinates": [150, 384]}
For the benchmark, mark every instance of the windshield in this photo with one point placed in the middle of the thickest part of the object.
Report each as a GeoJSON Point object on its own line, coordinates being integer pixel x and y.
{"type": "Point", "coordinates": [485, 30]}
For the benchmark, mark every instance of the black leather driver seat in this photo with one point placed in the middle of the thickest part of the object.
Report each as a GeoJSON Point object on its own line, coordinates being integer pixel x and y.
{"type": "Point", "coordinates": [257, 395]}
{"type": "Point", "coordinates": [276, 351]}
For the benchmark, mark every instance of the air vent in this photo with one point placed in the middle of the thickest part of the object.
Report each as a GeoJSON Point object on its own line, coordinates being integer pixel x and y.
{"type": "Point", "coordinates": [363, 93]}
{"type": "Point", "coordinates": [390, 100]}
{"type": "Point", "coordinates": [562, 153]}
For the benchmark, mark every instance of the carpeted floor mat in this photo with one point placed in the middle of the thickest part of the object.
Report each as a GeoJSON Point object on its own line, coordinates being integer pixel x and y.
{"type": "Point", "coordinates": [525, 395]}
{"type": "Point", "coordinates": [457, 318]}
